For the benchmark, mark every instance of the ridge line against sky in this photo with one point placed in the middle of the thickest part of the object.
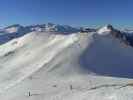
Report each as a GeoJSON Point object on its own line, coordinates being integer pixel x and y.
{"type": "Point", "coordinates": [70, 12]}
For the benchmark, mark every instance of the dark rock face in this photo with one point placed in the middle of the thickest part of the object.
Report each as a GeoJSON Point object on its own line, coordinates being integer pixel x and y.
{"type": "Point", "coordinates": [87, 30]}
{"type": "Point", "coordinates": [109, 26]}
{"type": "Point", "coordinates": [129, 38]}
{"type": "Point", "coordinates": [123, 37]}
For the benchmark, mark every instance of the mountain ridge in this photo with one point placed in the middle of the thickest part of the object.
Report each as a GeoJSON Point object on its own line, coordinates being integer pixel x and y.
{"type": "Point", "coordinates": [50, 65]}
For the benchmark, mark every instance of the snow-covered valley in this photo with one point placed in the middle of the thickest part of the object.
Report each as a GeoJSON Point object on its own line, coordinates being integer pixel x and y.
{"type": "Point", "coordinates": [47, 65]}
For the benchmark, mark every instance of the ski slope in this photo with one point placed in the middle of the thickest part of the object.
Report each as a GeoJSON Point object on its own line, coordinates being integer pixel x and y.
{"type": "Point", "coordinates": [50, 66]}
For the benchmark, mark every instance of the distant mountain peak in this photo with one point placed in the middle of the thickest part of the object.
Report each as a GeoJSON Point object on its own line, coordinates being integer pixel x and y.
{"type": "Point", "coordinates": [105, 30]}
{"type": "Point", "coordinates": [14, 25]}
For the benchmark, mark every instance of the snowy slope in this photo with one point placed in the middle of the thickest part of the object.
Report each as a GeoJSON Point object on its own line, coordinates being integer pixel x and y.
{"type": "Point", "coordinates": [51, 66]}
{"type": "Point", "coordinates": [20, 53]}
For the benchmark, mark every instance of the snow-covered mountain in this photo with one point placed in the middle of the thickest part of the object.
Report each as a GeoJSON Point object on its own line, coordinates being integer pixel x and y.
{"type": "Point", "coordinates": [13, 28]}
{"type": "Point", "coordinates": [44, 65]}
{"type": "Point", "coordinates": [66, 29]}
{"type": "Point", "coordinates": [11, 32]}
{"type": "Point", "coordinates": [50, 27]}
{"type": "Point", "coordinates": [16, 30]}
{"type": "Point", "coordinates": [105, 30]}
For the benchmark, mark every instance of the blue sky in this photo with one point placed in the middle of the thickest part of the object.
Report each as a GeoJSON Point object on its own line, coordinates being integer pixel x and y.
{"type": "Point", "coordinates": [72, 12]}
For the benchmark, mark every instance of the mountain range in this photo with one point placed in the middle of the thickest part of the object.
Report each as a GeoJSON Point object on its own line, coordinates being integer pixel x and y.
{"type": "Point", "coordinates": [16, 30]}
{"type": "Point", "coordinates": [55, 62]}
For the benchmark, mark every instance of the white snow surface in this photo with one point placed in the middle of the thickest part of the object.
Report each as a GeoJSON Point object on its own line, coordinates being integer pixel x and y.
{"type": "Point", "coordinates": [11, 30]}
{"type": "Point", "coordinates": [46, 66]}
{"type": "Point", "coordinates": [104, 30]}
